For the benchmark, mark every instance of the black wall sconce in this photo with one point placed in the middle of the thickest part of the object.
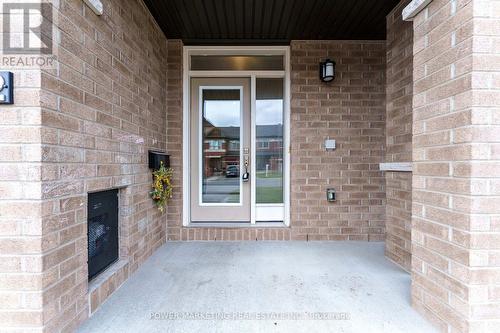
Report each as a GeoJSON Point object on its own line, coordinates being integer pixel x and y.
{"type": "Point", "coordinates": [327, 70]}
{"type": "Point", "coordinates": [331, 195]}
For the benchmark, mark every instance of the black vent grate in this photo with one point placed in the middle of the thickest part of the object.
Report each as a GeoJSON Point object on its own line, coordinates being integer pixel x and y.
{"type": "Point", "coordinates": [99, 234]}
{"type": "Point", "coordinates": [102, 231]}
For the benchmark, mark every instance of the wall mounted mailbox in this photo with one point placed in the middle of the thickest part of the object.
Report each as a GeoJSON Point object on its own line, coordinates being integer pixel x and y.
{"type": "Point", "coordinates": [6, 88]}
{"type": "Point", "coordinates": [156, 158]}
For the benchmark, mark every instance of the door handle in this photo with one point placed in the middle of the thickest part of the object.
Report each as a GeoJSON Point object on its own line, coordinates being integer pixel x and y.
{"type": "Point", "coordinates": [246, 176]}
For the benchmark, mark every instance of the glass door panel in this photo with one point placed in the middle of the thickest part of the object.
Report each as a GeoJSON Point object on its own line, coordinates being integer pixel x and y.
{"type": "Point", "coordinates": [221, 146]}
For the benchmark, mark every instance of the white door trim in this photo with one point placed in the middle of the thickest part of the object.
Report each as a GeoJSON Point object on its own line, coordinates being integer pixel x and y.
{"type": "Point", "coordinates": [188, 51]}
{"type": "Point", "coordinates": [253, 158]}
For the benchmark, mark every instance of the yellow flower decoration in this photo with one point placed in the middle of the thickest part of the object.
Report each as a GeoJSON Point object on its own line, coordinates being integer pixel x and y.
{"type": "Point", "coordinates": [162, 186]}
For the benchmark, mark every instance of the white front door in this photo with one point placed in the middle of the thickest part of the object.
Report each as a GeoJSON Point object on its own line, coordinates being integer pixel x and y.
{"type": "Point", "coordinates": [220, 150]}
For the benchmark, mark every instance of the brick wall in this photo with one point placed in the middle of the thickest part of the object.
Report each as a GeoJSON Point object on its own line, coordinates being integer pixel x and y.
{"type": "Point", "coordinates": [455, 240]}
{"type": "Point", "coordinates": [21, 210]}
{"type": "Point", "coordinates": [350, 110]}
{"type": "Point", "coordinates": [91, 125]}
{"type": "Point", "coordinates": [399, 136]}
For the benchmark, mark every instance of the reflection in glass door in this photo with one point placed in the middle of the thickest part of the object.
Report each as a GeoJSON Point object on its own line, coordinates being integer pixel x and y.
{"type": "Point", "coordinates": [221, 112]}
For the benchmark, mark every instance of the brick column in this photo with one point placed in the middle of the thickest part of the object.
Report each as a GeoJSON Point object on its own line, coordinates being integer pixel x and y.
{"type": "Point", "coordinates": [21, 211]}
{"type": "Point", "coordinates": [174, 134]}
{"type": "Point", "coordinates": [398, 132]}
{"type": "Point", "coordinates": [456, 152]}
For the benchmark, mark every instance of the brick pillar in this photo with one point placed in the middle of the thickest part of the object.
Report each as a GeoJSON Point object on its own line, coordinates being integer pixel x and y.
{"type": "Point", "coordinates": [21, 211]}
{"type": "Point", "coordinates": [456, 174]}
{"type": "Point", "coordinates": [174, 135]}
{"type": "Point", "coordinates": [398, 131]}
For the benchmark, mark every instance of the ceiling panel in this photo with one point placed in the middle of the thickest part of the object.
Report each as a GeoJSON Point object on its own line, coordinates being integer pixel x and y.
{"type": "Point", "coordinates": [236, 22]}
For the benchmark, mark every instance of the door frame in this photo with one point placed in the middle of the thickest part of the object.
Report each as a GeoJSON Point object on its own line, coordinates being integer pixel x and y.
{"type": "Point", "coordinates": [187, 74]}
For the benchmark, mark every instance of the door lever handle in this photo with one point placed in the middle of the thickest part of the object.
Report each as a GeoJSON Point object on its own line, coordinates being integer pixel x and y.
{"type": "Point", "coordinates": [245, 177]}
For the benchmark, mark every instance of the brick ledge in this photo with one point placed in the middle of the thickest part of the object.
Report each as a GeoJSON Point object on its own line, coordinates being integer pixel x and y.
{"type": "Point", "coordinates": [413, 8]}
{"type": "Point", "coordinates": [107, 283]}
{"type": "Point", "coordinates": [396, 166]}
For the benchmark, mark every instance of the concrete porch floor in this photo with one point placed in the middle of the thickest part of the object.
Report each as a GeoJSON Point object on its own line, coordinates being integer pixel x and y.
{"type": "Point", "coordinates": [263, 279]}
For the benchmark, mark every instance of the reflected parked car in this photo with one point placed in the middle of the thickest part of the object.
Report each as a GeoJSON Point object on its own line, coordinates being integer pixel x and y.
{"type": "Point", "coordinates": [232, 171]}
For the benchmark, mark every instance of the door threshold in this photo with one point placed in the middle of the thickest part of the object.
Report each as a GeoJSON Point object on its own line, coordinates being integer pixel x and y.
{"type": "Point", "coordinates": [263, 224]}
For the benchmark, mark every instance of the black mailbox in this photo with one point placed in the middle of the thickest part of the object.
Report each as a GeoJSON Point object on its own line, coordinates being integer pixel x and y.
{"type": "Point", "coordinates": [155, 159]}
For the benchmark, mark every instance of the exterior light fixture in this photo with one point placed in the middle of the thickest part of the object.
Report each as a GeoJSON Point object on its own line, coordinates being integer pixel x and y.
{"type": "Point", "coordinates": [327, 70]}
{"type": "Point", "coordinates": [330, 195]}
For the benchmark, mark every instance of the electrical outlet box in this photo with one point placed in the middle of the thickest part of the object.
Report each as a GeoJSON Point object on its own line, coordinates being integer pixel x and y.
{"type": "Point", "coordinates": [330, 144]}
{"type": "Point", "coordinates": [6, 88]}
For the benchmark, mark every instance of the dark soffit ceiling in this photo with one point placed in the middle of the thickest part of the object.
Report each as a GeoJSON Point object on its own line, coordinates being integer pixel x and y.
{"type": "Point", "coordinates": [219, 22]}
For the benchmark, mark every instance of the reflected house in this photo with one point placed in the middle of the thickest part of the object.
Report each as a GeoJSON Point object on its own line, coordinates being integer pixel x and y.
{"type": "Point", "coordinates": [270, 147]}
{"type": "Point", "coordinates": [222, 148]}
